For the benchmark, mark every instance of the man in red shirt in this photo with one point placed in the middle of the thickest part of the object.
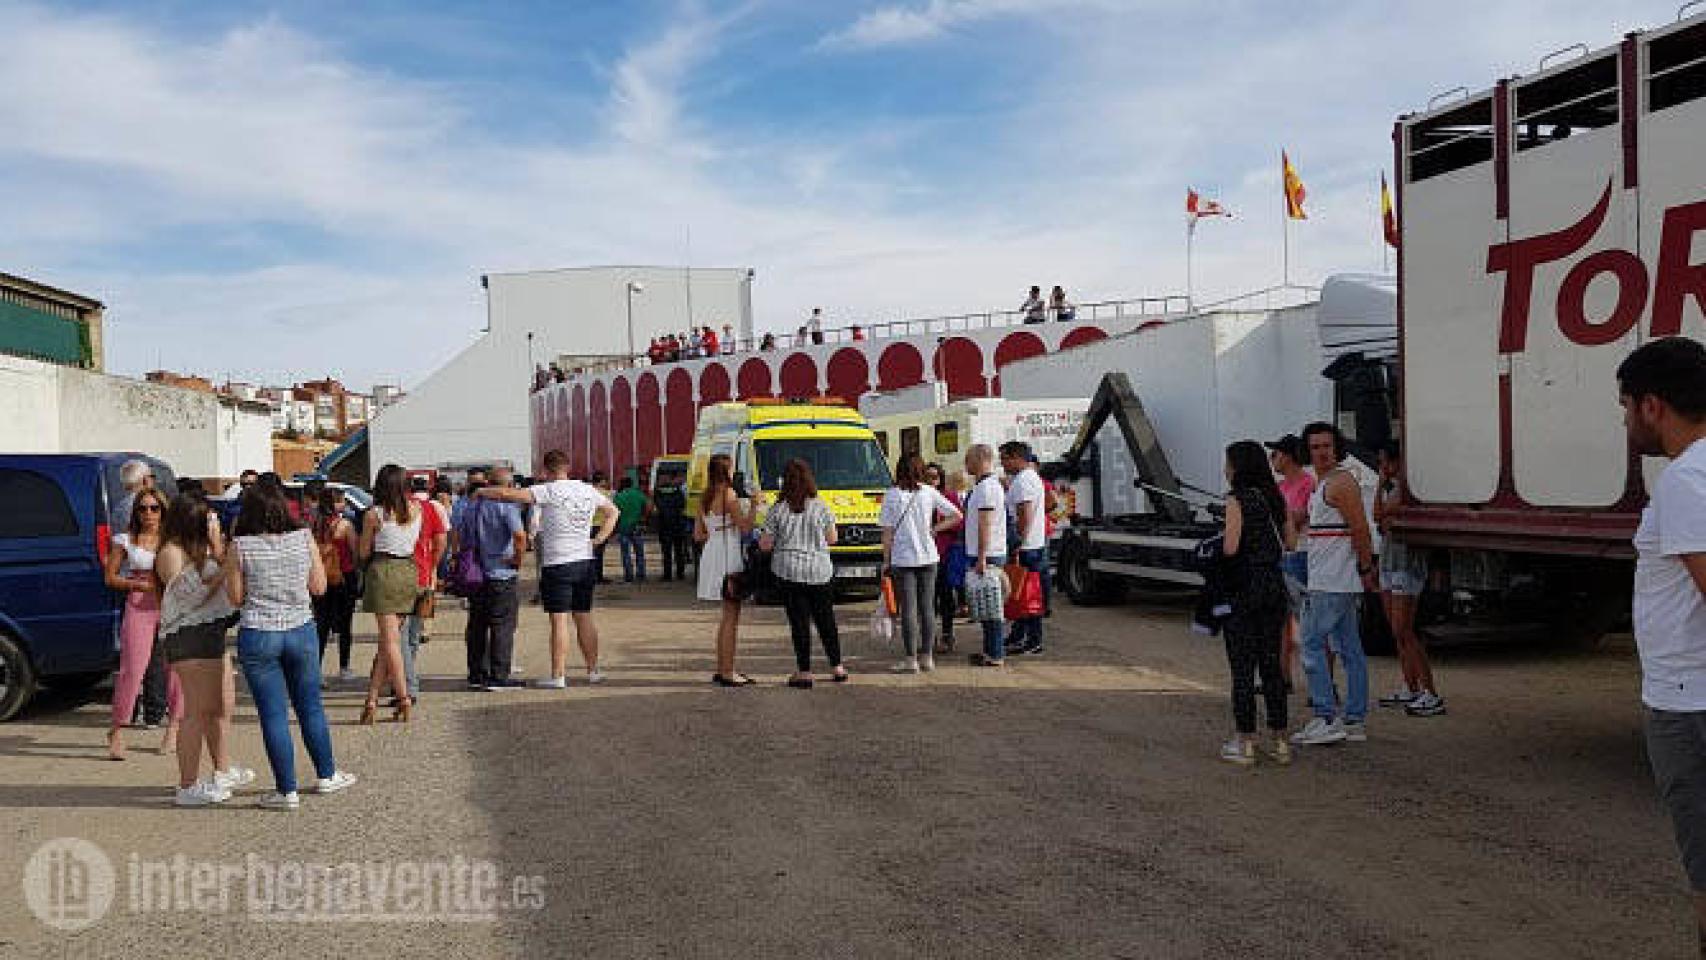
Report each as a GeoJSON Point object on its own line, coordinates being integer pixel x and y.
{"type": "Point", "coordinates": [710, 342]}
{"type": "Point", "coordinates": [429, 549]}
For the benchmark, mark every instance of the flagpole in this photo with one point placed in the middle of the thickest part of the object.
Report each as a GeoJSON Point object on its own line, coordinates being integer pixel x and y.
{"type": "Point", "coordinates": [1285, 226]}
{"type": "Point", "coordinates": [1190, 242]}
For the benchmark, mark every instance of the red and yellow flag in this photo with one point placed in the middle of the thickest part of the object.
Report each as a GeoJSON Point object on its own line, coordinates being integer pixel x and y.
{"type": "Point", "coordinates": [1388, 216]}
{"type": "Point", "coordinates": [1294, 192]}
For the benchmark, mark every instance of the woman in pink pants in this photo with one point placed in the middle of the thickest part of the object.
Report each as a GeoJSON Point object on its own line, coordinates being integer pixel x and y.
{"type": "Point", "coordinates": [130, 570]}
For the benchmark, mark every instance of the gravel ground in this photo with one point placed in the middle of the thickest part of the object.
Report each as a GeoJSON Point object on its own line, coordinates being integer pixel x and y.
{"type": "Point", "coordinates": [1069, 806]}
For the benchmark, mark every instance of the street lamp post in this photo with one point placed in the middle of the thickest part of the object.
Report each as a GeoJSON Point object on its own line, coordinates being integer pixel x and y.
{"type": "Point", "coordinates": [634, 286]}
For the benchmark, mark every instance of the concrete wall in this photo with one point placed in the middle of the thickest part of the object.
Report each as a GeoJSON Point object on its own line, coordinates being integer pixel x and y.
{"type": "Point", "coordinates": [53, 409]}
{"type": "Point", "coordinates": [475, 408]}
{"type": "Point", "coordinates": [1204, 381]}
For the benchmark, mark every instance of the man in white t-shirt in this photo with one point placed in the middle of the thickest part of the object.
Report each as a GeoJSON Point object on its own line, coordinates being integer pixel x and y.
{"type": "Point", "coordinates": [1027, 536]}
{"type": "Point", "coordinates": [986, 544]}
{"type": "Point", "coordinates": [1662, 387]}
{"type": "Point", "coordinates": [567, 511]}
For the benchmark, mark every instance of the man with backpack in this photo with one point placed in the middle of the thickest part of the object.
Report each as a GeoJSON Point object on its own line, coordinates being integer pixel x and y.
{"type": "Point", "coordinates": [489, 537]}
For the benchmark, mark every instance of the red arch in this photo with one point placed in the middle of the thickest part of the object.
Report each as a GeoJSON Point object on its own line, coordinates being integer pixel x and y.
{"type": "Point", "coordinates": [648, 420]}
{"type": "Point", "coordinates": [598, 437]}
{"type": "Point", "coordinates": [579, 429]}
{"type": "Point", "coordinates": [1150, 325]}
{"type": "Point", "coordinates": [713, 385]}
{"type": "Point", "coordinates": [959, 364]}
{"type": "Point", "coordinates": [901, 365]}
{"type": "Point", "coordinates": [679, 416]}
{"type": "Point", "coordinates": [1082, 335]}
{"type": "Point", "coordinates": [621, 427]}
{"type": "Point", "coordinates": [849, 374]}
{"type": "Point", "coordinates": [798, 377]}
{"type": "Point", "coordinates": [753, 379]}
{"type": "Point", "coordinates": [1013, 347]}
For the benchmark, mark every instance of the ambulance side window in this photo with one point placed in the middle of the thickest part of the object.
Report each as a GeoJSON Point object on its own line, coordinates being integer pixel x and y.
{"type": "Point", "coordinates": [909, 442]}
{"type": "Point", "coordinates": [947, 439]}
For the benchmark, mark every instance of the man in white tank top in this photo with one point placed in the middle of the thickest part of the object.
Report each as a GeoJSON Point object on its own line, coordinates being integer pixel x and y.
{"type": "Point", "coordinates": [1341, 569]}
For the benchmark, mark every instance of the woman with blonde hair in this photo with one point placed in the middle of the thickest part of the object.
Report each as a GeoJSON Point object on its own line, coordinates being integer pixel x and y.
{"type": "Point", "coordinates": [391, 587]}
{"type": "Point", "coordinates": [130, 570]}
{"type": "Point", "coordinates": [194, 615]}
{"type": "Point", "coordinates": [719, 529]}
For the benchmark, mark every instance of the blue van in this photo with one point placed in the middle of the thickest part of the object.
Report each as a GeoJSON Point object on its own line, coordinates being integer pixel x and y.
{"type": "Point", "coordinates": [58, 620]}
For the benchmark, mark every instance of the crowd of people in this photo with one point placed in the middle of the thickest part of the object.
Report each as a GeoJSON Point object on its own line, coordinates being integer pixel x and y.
{"type": "Point", "coordinates": [697, 343]}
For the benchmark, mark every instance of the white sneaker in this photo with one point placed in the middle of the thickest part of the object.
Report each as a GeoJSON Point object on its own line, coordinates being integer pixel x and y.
{"type": "Point", "coordinates": [593, 676]}
{"type": "Point", "coordinates": [908, 665]}
{"type": "Point", "coordinates": [1399, 697]}
{"type": "Point", "coordinates": [202, 793]}
{"type": "Point", "coordinates": [347, 675]}
{"type": "Point", "coordinates": [1426, 705]}
{"type": "Point", "coordinates": [1356, 732]}
{"type": "Point", "coordinates": [234, 777]}
{"type": "Point", "coordinates": [332, 784]}
{"type": "Point", "coordinates": [281, 801]}
{"type": "Point", "coordinates": [1319, 732]}
{"type": "Point", "coordinates": [551, 683]}
{"type": "Point", "coordinates": [927, 663]}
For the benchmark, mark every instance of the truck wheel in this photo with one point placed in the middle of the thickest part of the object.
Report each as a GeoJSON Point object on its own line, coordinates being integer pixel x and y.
{"type": "Point", "coordinates": [17, 678]}
{"type": "Point", "coordinates": [1084, 586]}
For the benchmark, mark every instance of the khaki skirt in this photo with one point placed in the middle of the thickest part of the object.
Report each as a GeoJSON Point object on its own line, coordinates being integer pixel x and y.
{"type": "Point", "coordinates": [390, 586]}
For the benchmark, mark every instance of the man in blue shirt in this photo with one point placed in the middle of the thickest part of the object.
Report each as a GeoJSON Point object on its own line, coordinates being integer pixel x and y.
{"type": "Point", "coordinates": [499, 536]}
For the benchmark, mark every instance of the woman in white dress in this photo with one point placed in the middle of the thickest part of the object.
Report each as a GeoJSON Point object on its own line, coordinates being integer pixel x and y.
{"type": "Point", "coordinates": [719, 529]}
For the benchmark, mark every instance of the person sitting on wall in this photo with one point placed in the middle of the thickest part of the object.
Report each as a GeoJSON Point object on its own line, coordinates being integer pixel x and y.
{"type": "Point", "coordinates": [768, 343]}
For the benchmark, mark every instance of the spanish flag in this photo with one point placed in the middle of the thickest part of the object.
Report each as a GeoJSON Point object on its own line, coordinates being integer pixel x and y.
{"type": "Point", "coordinates": [1388, 217]}
{"type": "Point", "coordinates": [1294, 192]}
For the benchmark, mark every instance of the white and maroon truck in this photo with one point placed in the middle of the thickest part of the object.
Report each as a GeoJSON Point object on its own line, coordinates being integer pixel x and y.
{"type": "Point", "coordinates": [1549, 225]}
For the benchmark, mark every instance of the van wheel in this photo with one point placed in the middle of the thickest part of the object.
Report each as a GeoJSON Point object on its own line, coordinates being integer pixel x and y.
{"type": "Point", "coordinates": [17, 678]}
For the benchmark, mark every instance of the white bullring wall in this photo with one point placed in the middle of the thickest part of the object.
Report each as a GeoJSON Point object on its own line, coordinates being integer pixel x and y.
{"type": "Point", "coordinates": [475, 408]}
{"type": "Point", "coordinates": [46, 408]}
{"type": "Point", "coordinates": [1205, 381]}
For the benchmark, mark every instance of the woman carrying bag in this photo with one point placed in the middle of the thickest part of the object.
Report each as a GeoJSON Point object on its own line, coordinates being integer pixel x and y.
{"type": "Point", "coordinates": [1258, 533]}
{"type": "Point", "coordinates": [719, 529]}
{"type": "Point", "coordinates": [913, 514]}
{"type": "Point", "coordinates": [986, 547]}
{"type": "Point", "coordinates": [798, 533]}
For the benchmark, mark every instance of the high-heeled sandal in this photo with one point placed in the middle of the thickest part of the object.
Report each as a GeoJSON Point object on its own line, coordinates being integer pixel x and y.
{"type": "Point", "coordinates": [401, 714]}
{"type": "Point", "coordinates": [368, 711]}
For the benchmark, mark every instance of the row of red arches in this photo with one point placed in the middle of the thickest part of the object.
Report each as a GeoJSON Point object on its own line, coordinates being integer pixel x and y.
{"type": "Point", "coordinates": [607, 429]}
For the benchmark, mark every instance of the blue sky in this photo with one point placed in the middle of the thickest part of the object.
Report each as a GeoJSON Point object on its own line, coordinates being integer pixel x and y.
{"type": "Point", "coordinates": [284, 190]}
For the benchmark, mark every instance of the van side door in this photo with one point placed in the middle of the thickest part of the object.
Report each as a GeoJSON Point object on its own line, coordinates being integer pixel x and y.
{"type": "Point", "coordinates": [53, 593]}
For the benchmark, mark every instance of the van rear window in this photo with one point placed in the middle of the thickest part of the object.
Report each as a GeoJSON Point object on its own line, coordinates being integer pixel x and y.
{"type": "Point", "coordinates": [33, 505]}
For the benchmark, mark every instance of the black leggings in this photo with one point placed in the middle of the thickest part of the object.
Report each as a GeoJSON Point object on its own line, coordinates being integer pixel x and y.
{"type": "Point", "coordinates": [1253, 647]}
{"type": "Point", "coordinates": [947, 603]}
{"type": "Point", "coordinates": [334, 613]}
{"type": "Point", "coordinates": [807, 604]}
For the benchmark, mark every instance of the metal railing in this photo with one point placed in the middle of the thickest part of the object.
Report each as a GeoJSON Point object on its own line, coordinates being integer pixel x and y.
{"type": "Point", "coordinates": [1158, 308]}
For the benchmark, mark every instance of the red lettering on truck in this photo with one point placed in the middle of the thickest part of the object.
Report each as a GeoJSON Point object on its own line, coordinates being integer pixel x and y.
{"type": "Point", "coordinates": [1676, 280]}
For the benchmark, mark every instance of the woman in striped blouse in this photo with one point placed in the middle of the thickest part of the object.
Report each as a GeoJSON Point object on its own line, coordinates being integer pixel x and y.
{"type": "Point", "coordinates": [798, 533]}
{"type": "Point", "coordinates": [271, 572]}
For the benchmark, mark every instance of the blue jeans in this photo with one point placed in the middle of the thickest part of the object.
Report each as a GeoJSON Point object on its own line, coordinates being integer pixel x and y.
{"type": "Point", "coordinates": [282, 668]}
{"type": "Point", "coordinates": [411, 644]}
{"type": "Point", "coordinates": [632, 540]}
{"type": "Point", "coordinates": [1028, 632]}
{"type": "Point", "coordinates": [1329, 617]}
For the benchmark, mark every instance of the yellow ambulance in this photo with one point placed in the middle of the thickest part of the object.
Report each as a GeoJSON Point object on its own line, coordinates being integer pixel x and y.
{"type": "Point", "coordinates": [761, 436]}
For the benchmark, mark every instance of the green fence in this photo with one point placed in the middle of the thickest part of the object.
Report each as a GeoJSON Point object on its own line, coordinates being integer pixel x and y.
{"type": "Point", "coordinates": [43, 336]}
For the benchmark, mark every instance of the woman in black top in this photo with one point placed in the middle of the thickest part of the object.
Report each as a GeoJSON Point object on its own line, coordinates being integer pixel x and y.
{"type": "Point", "coordinates": [1257, 533]}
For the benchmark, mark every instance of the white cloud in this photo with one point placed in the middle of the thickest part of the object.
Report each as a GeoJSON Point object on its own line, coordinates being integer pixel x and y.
{"type": "Point", "coordinates": [405, 198]}
{"type": "Point", "coordinates": [896, 25]}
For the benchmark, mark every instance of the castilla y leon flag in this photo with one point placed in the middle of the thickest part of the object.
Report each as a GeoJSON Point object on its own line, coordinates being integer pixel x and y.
{"type": "Point", "coordinates": [1388, 217]}
{"type": "Point", "coordinates": [1294, 192]}
{"type": "Point", "coordinates": [1197, 207]}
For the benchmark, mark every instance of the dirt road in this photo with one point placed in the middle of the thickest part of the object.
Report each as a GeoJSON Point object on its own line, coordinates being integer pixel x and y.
{"type": "Point", "coordinates": [1071, 806]}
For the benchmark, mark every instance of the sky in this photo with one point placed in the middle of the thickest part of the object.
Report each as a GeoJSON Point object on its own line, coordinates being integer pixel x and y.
{"type": "Point", "coordinates": [282, 191]}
